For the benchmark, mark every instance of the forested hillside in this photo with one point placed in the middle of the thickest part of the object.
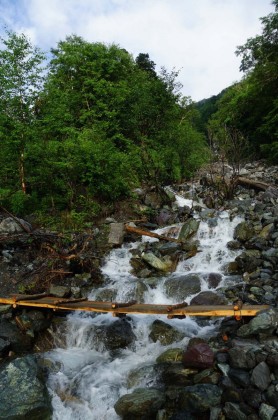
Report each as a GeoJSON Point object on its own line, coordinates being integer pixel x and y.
{"type": "Point", "coordinates": [91, 123]}
{"type": "Point", "coordinates": [247, 112]}
{"type": "Point", "coordinates": [89, 127]}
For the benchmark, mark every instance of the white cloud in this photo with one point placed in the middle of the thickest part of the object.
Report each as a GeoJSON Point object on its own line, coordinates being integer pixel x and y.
{"type": "Point", "coordinates": [197, 36]}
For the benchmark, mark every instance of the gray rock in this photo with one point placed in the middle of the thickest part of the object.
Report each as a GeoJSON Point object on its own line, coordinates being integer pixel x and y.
{"type": "Point", "coordinates": [233, 412]}
{"type": "Point", "coordinates": [161, 264]}
{"type": "Point", "coordinates": [116, 235]}
{"type": "Point", "coordinates": [165, 333]}
{"type": "Point", "coordinates": [144, 375]}
{"type": "Point", "coordinates": [266, 412]}
{"type": "Point", "coordinates": [244, 231]}
{"type": "Point", "coordinates": [272, 395]}
{"type": "Point", "coordinates": [170, 356]}
{"type": "Point", "coordinates": [59, 291]}
{"type": "Point", "coordinates": [11, 226]}
{"type": "Point", "coordinates": [140, 403]}
{"type": "Point", "coordinates": [199, 398]}
{"type": "Point", "coordinates": [262, 322]}
{"type": "Point", "coordinates": [23, 393]}
{"type": "Point", "coordinates": [189, 228]}
{"type": "Point", "coordinates": [118, 335]}
{"type": "Point", "coordinates": [183, 286]}
{"type": "Point", "coordinates": [261, 376]}
{"type": "Point", "coordinates": [19, 342]}
{"type": "Point", "coordinates": [208, 298]}
{"type": "Point", "coordinates": [240, 377]}
{"type": "Point", "coordinates": [242, 358]}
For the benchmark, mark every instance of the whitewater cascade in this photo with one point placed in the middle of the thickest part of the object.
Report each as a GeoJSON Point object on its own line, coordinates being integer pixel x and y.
{"type": "Point", "coordinates": [88, 379]}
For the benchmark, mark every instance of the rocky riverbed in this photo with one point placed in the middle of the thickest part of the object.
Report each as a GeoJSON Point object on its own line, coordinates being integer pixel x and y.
{"type": "Point", "coordinates": [232, 374]}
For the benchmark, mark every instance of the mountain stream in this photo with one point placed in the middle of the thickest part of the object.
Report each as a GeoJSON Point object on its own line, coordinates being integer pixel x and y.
{"type": "Point", "coordinates": [89, 379]}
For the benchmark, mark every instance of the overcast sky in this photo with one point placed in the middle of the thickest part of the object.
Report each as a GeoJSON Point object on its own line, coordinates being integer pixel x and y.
{"type": "Point", "coordinates": [197, 37]}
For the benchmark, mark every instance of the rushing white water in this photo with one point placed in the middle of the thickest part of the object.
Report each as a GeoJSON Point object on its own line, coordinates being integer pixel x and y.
{"type": "Point", "coordinates": [88, 379]}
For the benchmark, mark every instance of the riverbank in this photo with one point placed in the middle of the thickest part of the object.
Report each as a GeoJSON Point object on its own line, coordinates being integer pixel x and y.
{"type": "Point", "coordinates": [225, 370]}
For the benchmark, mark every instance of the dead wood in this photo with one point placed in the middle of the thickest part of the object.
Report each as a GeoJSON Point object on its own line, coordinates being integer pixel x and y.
{"type": "Point", "coordinates": [141, 232]}
{"type": "Point", "coordinates": [257, 185]}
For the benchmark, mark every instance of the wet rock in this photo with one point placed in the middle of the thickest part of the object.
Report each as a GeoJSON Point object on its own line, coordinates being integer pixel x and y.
{"type": "Point", "coordinates": [266, 412]}
{"type": "Point", "coordinates": [232, 412]}
{"type": "Point", "coordinates": [189, 228]}
{"type": "Point", "coordinates": [213, 280]}
{"type": "Point", "coordinates": [261, 376]}
{"type": "Point", "coordinates": [208, 298]}
{"type": "Point", "coordinates": [175, 374]}
{"type": "Point", "coordinates": [267, 320]}
{"type": "Point", "coordinates": [140, 403]}
{"type": "Point", "coordinates": [165, 333]}
{"type": "Point", "coordinates": [11, 226]}
{"type": "Point", "coordinates": [161, 264]}
{"type": "Point", "coordinates": [170, 356]}
{"type": "Point", "coordinates": [19, 341]}
{"type": "Point", "coordinates": [106, 295]}
{"type": "Point", "coordinates": [234, 245]}
{"type": "Point", "coordinates": [169, 248]}
{"type": "Point", "coordinates": [199, 398]}
{"type": "Point", "coordinates": [165, 216]}
{"type": "Point", "coordinates": [118, 335]}
{"type": "Point", "coordinates": [140, 290]}
{"type": "Point", "coordinates": [183, 286]}
{"type": "Point", "coordinates": [143, 376]}
{"type": "Point", "coordinates": [198, 356]}
{"type": "Point", "coordinates": [23, 393]}
{"type": "Point", "coordinates": [244, 231]}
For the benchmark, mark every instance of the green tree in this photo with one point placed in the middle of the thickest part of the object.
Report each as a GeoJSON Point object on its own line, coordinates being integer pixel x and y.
{"type": "Point", "coordinates": [21, 77]}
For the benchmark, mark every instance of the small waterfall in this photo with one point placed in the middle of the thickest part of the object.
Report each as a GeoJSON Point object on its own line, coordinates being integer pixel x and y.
{"type": "Point", "coordinates": [87, 379]}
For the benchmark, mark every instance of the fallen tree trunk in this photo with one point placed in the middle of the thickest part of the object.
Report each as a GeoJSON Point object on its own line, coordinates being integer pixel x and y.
{"type": "Point", "coordinates": [141, 232]}
{"type": "Point", "coordinates": [257, 185]}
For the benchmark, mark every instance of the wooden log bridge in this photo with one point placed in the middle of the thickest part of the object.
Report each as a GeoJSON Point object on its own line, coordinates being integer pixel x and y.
{"type": "Point", "coordinates": [120, 309]}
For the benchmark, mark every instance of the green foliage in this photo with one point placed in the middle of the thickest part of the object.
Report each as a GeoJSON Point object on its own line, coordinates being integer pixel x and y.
{"type": "Point", "coordinates": [101, 124]}
{"type": "Point", "coordinates": [251, 106]}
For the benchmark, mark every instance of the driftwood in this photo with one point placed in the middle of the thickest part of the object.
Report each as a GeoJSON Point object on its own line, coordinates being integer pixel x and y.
{"type": "Point", "coordinates": [141, 232]}
{"type": "Point", "coordinates": [257, 185]}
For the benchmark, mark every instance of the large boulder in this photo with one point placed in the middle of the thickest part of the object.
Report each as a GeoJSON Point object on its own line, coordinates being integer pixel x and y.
{"type": "Point", "coordinates": [198, 356]}
{"type": "Point", "coordinates": [189, 228]}
{"type": "Point", "coordinates": [265, 321]}
{"type": "Point", "coordinates": [118, 335]}
{"type": "Point", "coordinates": [244, 231]}
{"type": "Point", "coordinates": [23, 393]}
{"type": "Point", "coordinates": [141, 403]}
{"type": "Point", "coordinates": [165, 333]}
{"type": "Point", "coordinates": [12, 225]}
{"type": "Point", "coordinates": [164, 264]}
{"type": "Point", "coordinates": [208, 298]}
{"type": "Point", "coordinates": [183, 286]}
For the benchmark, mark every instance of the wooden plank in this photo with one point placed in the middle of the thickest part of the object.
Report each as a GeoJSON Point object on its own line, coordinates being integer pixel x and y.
{"type": "Point", "coordinates": [137, 308]}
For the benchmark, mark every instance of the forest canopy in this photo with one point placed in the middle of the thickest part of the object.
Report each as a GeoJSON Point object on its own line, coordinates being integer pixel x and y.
{"type": "Point", "coordinates": [90, 126]}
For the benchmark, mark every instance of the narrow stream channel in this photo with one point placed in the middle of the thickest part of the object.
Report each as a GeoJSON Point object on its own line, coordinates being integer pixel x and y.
{"type": "Point", "coordinates": [89, 379]}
